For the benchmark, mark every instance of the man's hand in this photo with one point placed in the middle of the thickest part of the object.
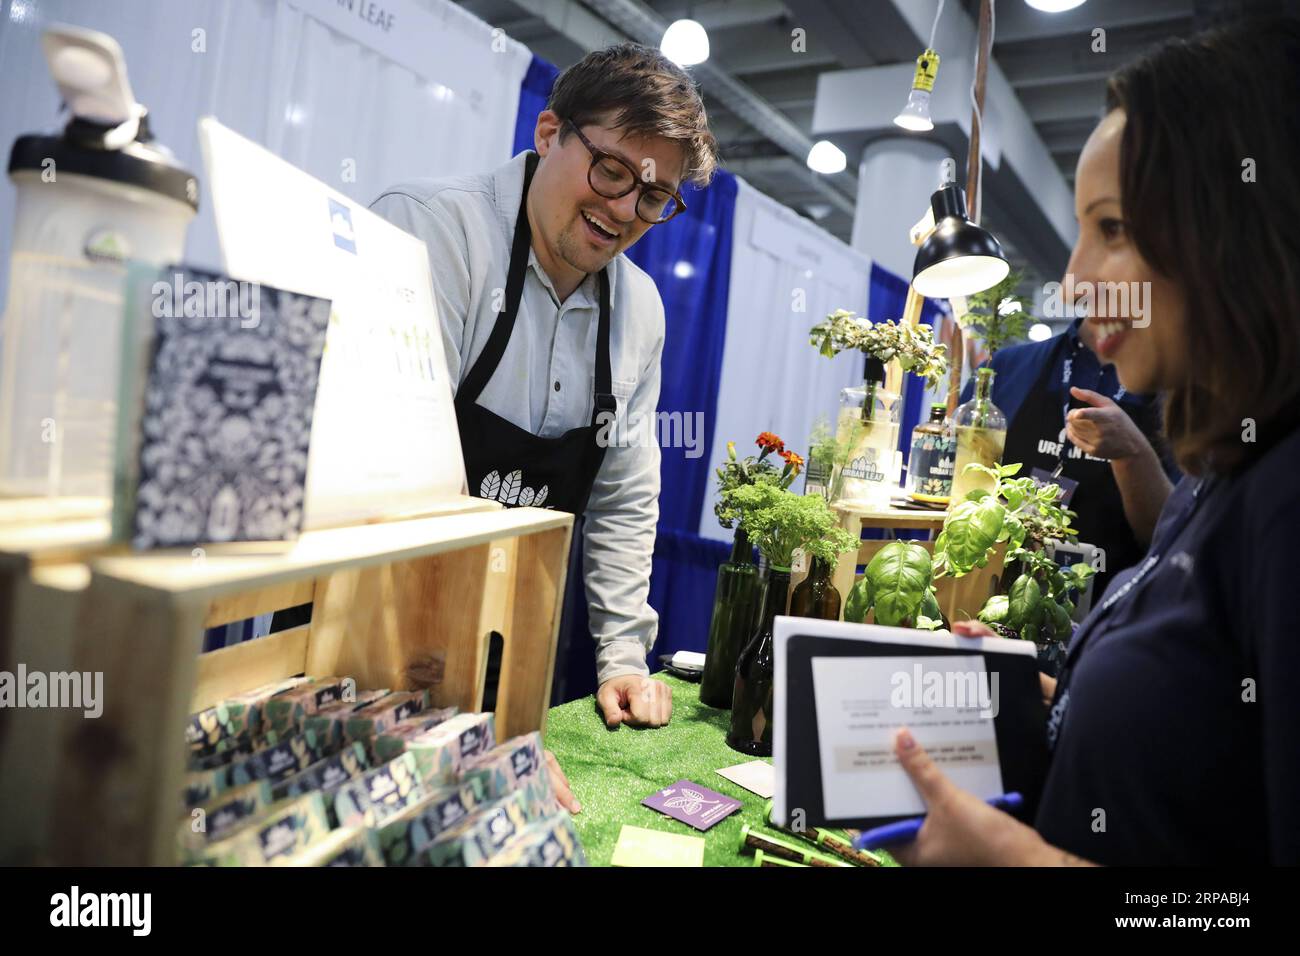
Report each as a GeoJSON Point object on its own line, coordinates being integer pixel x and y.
{"type": "Point", "coordinates": [960, 829]}
{"type": "Point", "coordinates": [560, 784]}
{"type": "Point", "coordinates": [1104, 430]}
{"type": "Point", "coordinates": [635, 700]}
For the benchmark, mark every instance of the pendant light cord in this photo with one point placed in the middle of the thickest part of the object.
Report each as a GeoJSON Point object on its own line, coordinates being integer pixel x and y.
{"type": "Point", "coordinates": [934, 27]}
{"type": "Point", "coordinates": [975, 203]}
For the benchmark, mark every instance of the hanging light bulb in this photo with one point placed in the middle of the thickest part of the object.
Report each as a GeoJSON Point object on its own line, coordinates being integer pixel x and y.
{"type": "Point", "coordinates": [958, 258]}
{"type": "Point", "coordinates": [685, 42]}
{"type": "Point", "coordinates": [915, 115]}
{"type": "Point", "coordinates": [1054, 6]}
{"type": "Point", "coordinates": [826, 157]}
{"type": "Point", "coordinates": [1040, 332]}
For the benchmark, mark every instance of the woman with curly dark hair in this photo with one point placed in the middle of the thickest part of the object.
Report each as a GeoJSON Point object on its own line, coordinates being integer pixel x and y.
{"type": "Point", "coordinates": [1174, 727]}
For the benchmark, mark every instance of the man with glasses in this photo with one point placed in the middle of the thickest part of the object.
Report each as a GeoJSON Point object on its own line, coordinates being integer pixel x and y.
{"type": "Point", "coordinates": [549, 330]}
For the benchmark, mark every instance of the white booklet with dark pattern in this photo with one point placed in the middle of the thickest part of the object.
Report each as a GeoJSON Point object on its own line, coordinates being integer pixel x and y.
{"type": "Point", "coordinates": [214, 447]}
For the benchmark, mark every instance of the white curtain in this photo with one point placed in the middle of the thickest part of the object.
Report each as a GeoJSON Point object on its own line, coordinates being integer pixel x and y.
{"type": "Point", "coordinates": [344, 112]}
{"type": "Point", "coordinates": [787, 273]}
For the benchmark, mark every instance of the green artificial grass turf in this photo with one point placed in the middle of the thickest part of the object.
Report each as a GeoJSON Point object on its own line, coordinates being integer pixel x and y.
{"type": "Point", "coordinates": [612, 771]}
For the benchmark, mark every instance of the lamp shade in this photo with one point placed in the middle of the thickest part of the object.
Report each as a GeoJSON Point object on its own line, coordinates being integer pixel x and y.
{"type": "Point", "coordinates": [958, 258]}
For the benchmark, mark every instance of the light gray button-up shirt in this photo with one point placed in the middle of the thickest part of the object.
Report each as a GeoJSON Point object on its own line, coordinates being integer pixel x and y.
{"type": "Point", "coordinates": [468, 224]}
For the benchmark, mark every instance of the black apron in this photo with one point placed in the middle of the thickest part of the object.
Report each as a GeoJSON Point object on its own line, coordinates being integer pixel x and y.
{"type": "Point", "coordinates": [504, 462]}
{"type": "Point", "coordinates": [1036, 438]}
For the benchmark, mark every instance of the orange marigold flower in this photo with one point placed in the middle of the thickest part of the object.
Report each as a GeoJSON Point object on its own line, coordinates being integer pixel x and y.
{"type": "Point", "coordinates": [792, 459]}
{"type": "Point", "coordinates": [769, 442]}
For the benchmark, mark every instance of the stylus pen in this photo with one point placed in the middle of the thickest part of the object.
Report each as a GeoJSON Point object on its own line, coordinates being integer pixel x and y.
{"type": "Point", "coordinates": [904, 831]}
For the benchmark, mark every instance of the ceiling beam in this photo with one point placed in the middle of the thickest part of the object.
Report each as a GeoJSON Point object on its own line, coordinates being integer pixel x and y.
{"type": "Point", "coordinates": [1018, 21]}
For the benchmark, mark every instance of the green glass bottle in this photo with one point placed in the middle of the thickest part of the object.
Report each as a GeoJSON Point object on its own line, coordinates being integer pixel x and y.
{"type": "Point", "coordinates": [752, 700]}
{"type": "Point", "coordinates": [736, 600]}
{"type": "Point", "coordinates": [981, 432]}
{"type": "Point", "coordinates": [815, 596]}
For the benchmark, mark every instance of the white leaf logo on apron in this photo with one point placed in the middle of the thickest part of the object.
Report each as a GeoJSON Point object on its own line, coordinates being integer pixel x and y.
{"type": "Point", "coordinates": [526, 497]}
{"type": "Point", "coordinates": [491, 484]}
{"type": "Point", "coordinates": [510, 488]}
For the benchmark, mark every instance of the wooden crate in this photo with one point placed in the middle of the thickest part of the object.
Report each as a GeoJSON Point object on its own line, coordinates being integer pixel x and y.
{"type": "Point", "coordinates": [404, 605]}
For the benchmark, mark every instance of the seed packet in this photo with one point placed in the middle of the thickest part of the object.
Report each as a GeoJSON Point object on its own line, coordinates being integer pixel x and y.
{"type": "Point", "coordinates": [274, 762]}
{"type": "Point", "coordinates": [392, 741]}
{"type": "Point", "coordinates": [349, 846]}
{"type": "Point", "coordinates": [482, 835]}
{"type": "Point", "coordinates": [552, 841]}
{"type": "Point", "coordinates": [440, 752]}
{"type": "Point", "coordinates": [285, 828]}
{"type": "Point", "coordinates": [376, 717]}
{"type": "Point", "coordinates": [287, 709]}
{"type": "Point", "coordinates": [220, 817]}
{"type": "Point", "coordinates": [324, 774]}
{"type": "Point", "coordinates": [379, 793]}
{"type": "Point", "coordinates": [517, 764]}
{"type": "Point", "coordinates": [405, 835]}
{"type": "Point", "coordinates": [324, 729]}
{"type": "Point", "coordinates": [233, 718]}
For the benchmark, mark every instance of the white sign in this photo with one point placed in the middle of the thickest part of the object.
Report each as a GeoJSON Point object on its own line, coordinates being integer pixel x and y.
{"type": "Point", "coordinates": [384, 439]}
{"type": "Point", "coordinates": [398, 29]}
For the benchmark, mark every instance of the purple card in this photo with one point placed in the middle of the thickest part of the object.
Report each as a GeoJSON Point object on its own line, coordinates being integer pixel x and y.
{"type": "Point", "coordinates": [691, 803]}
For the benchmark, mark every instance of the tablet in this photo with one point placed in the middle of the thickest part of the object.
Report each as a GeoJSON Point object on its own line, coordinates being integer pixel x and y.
{"type": "Point", "coordinates": [841, 690]}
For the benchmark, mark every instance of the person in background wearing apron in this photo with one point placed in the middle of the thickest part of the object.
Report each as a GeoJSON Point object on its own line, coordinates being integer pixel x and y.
{"type": "Point", "coordinates": [549, 330]}
{"type": "Point", "coordinates": [1174, 727]}
{"type": "Point", "coordinates": [1070, 421]}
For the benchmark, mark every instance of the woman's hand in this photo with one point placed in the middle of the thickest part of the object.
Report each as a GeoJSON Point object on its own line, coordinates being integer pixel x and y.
{"type": "Point", "coordinates": [560, 784]}
{"type": "Point", "coordinates": [960, 829]}
{"type": "Point", "coordinates": [1104, 430]}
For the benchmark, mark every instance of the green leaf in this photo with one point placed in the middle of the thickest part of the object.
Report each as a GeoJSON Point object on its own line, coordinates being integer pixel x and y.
{"type": "Point", "coordinates": [995, 611]}
{"type": "Point", "coordinates": [929, 610]}
{"type": "Point", "coordinates": [858, 602]}
{"type": "Point", "coordinates": [1006, 471]}
{"type": "Point", "coordinates": [971, 530]}
{"type": "Point", "coordinates": [924, 623]}
{"type": "Point", "coordinates": [1059, 620]}
{"type": "Point", "coordinates": [900, 579]}
{"type": "Point", "coordinates": [1024, 602]}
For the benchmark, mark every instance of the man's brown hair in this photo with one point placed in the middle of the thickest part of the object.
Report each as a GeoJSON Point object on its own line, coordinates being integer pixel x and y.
{"type": "Point", "coordinates": [1201, 116]}
{"type": "Point", "coordinates": [648, 94]}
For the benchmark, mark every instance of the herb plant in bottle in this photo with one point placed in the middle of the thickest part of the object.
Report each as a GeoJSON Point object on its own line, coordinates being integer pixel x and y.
{"type": "Point", "coordinates": [736, 602]}
{"type": "Point", "coordinates": [738, 595]}
{"type": "Point", "coordinates": [778, 522]}
{"type": "Point", "coordinates": [868, 419]}
{"type": "Point", "coordinates": [981, 432]}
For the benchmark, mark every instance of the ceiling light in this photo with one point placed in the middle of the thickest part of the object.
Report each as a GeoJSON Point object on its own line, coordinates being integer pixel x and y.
{"type": "Point", "coordinates": [826, 157]}
{"type": "Point", "coordinates": [1054, 6]}
{"type": "Point", "coordinates": [1039, 332]}
{"type": "Point", "coordinates": [915, 114]}
{"type": "Point", "coordinates": [685, 42]}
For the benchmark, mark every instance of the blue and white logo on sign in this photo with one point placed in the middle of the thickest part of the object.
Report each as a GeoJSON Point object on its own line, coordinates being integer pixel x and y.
{"type": "Point", "coordinates": [341, 224]}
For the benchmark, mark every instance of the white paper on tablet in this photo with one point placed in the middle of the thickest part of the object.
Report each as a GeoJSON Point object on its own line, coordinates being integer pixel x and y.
{"type": "Point", "coordinates": [946, 702]}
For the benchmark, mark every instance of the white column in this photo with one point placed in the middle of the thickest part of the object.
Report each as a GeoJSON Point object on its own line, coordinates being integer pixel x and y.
{"type": "Point", "coordinates": [895, 179]}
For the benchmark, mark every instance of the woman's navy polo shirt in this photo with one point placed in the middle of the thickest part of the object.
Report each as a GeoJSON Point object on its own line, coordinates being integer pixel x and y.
{"type": "Point", "coordinates": [1177, 733]}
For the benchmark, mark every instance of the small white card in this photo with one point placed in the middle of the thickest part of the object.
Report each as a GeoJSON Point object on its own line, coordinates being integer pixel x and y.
{"type": "Point", "coordinates": [757, 776]}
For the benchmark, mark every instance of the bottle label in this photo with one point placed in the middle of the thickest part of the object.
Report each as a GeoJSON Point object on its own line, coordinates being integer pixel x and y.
{"type": "Point", "coordinates": [931, 464]}
{"type": "Point", "coordinates": [864, 467]}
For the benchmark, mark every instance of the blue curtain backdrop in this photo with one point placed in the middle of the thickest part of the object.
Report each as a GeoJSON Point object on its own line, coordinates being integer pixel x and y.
{"type": "Point", "coordinates": [690, 262]}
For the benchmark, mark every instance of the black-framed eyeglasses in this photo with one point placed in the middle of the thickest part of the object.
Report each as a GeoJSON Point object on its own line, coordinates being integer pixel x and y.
{"type": "Point", "coordinates": [613, 177]}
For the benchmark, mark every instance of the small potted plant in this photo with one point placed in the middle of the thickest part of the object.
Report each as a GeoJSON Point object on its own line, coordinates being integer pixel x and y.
{"type": "Point", "coordinates": [779, 522]}
{"type": "Point", "coordinates": [739, 591]}
{"type": "Point", "coordinates": [869, 416]}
